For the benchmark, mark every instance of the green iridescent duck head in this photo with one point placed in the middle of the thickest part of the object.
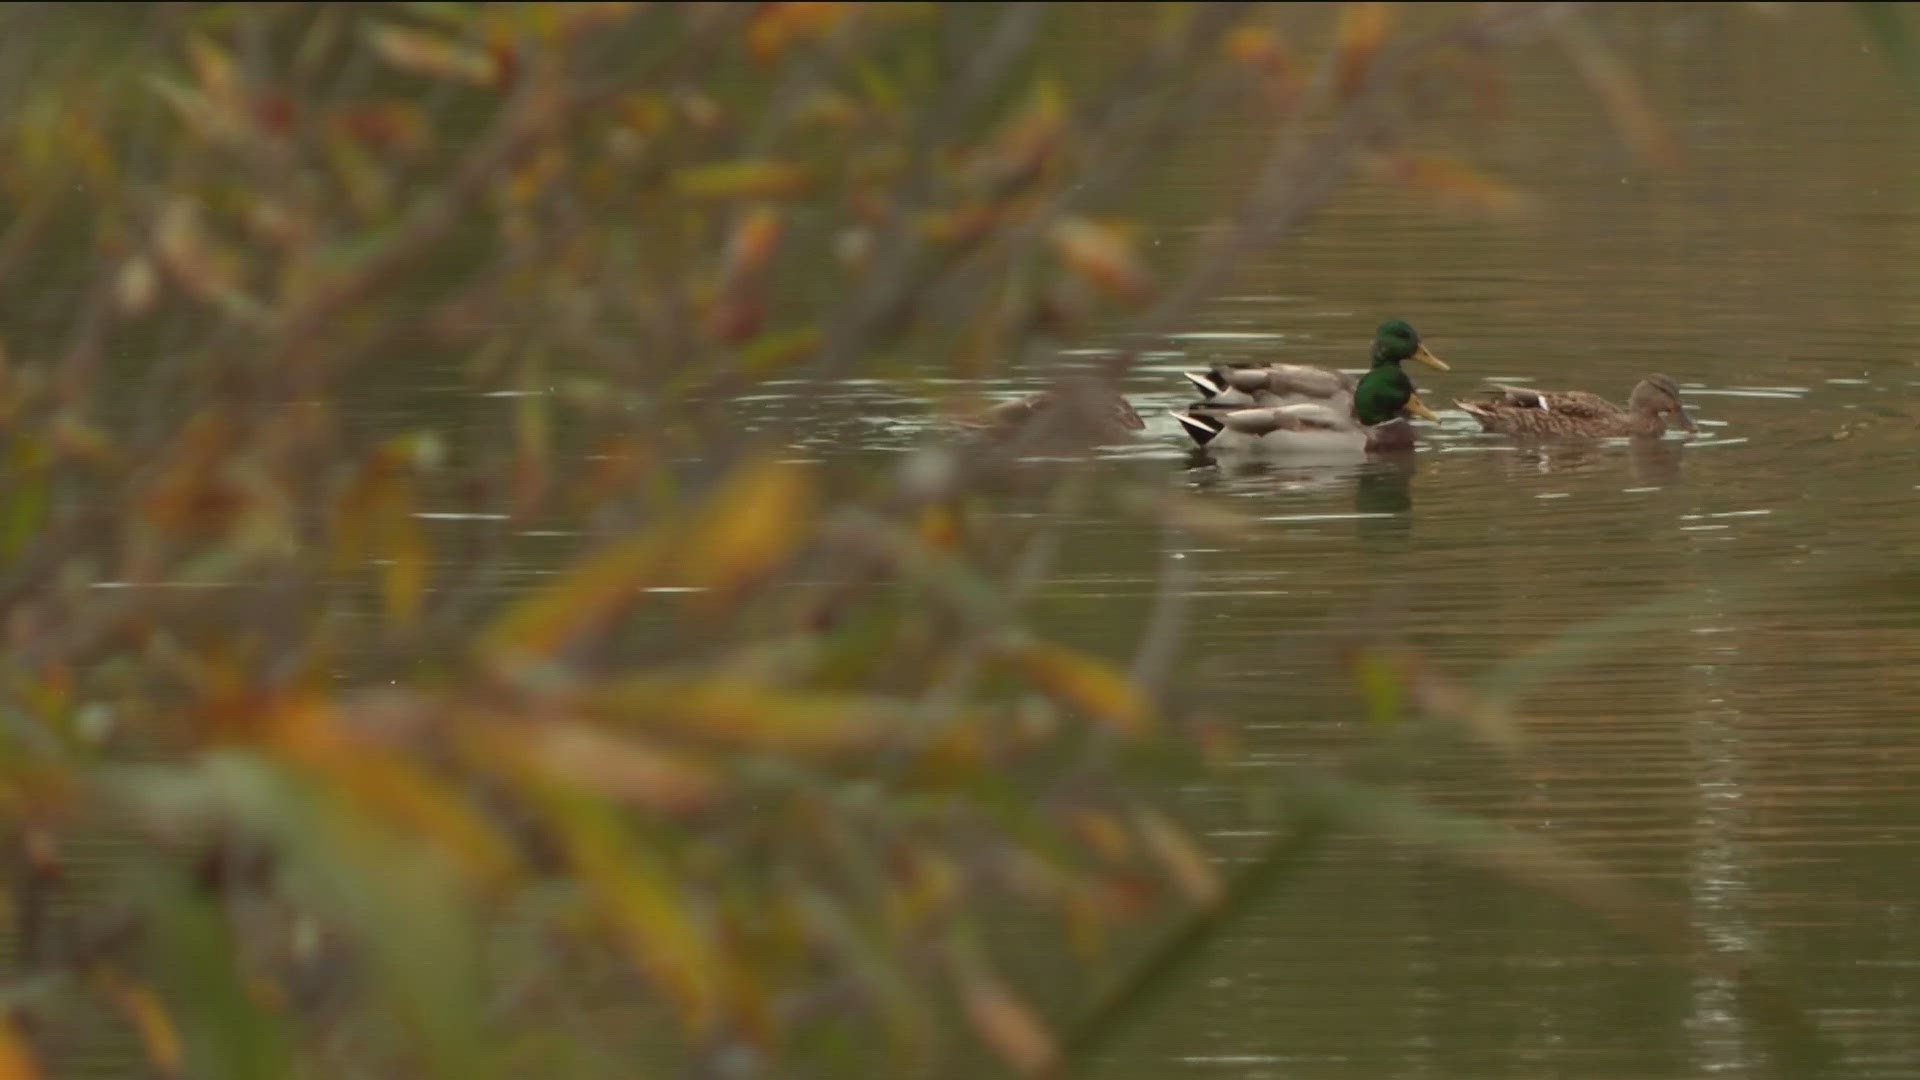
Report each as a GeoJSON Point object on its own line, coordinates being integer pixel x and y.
{"type": "Point", "coordinates": [1396, 340]}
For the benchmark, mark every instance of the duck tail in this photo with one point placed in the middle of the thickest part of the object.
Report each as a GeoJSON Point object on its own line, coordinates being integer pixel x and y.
{"type": "Point", "coordinates": [1478, 412]}
{"type": "Point", "coordinates": [1201, 428]}
{"type": "Point", "coordinates": [1207, 382]}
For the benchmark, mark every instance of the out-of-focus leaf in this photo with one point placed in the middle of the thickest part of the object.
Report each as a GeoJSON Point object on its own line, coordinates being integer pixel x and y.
{"type": "Point", "coordinates": [752, 522]}
{"type": "Point", "coordinates": [584, 597]}
{"type": "Point", "coordinates": [1486, 719]}
{"type": "Point", "coordinates": [28, 494]}
{"type": "Point", "coordinates": [158, 1035]}
{"type": "Point", "coordinates": [1261, 48]}
{"type": "Point", "coordinates": [733, 713]}
{"type": "Point", "coordinates": [755, 519]}
{"type": "Point", "coordinates": [902, 1003]}
{"type": "Point", "coordinates": [213, 67]}
{"type": "Point", "coordinates": [1085, 682]}
{"type": "Point", "coordinates": [742, 180]}
{"type": "Point", "coordinates": [1199, 516]}
{"type": "Point", "coordinates": [776, 349]}
{"type": "Point", "coordinates": [776, 27]}
{"type": "Point", "coordinates": [393, 126]}
{"type": "Point", "coordinates": [231, 1030]}
{"type": "Point", "coordinates": [1362, 30]}
{"type": "Point", "coordinates": [390, 786]}
{"type": "Point", "coordinates": [425, 53]}
{"type": "Point", "coordinates": [136, 285]}
{"type": "Point", "coordinates": [1102, 833]}
{"type": "Point", "coordinates": [404, 580]}
{"type": "Point", "coordinates": [1457, 186]}
{"type": "Point", "coordinates": [753, 242]}
{"type": "Point", "coordinates": [1626, 103]}
{"type": "Point", "coordinates": [1003, 1021]}
{"type": "Point", "coordinates": [643, 898]}
{"type": "Point", "coordinates": [1103, 255]}
{"type": "Point", "coordinates": [615, 766]}
{"type": "Point", "coordinates": [1379, 687]}
{"type": "Point", "coordinates": [1182, 858]}
{"type": "Point", "coordinates": [17, 1059]}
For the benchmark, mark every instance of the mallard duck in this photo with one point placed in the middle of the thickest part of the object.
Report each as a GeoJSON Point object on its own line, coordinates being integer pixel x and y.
{"type": "Point", "coordinates": [1083, 411]}
{"type": "Point", "coordinates": [1285, 384]}
{"type": "Point", "coordinates": [1516, 410]}
{"type": "Point", "coordinates": [1372, 421]}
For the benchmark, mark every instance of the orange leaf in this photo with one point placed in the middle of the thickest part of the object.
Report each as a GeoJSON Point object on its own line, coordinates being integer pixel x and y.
{"type": "Point", "coordinates": [17, 1061]}
{"type": "Point", "coordinates": [1633, 116]}
{"type": "Point", "coordinates": [776, 27]}
{"type": "Point", "coordinates": [389, 785]}
{"type": "Point", "coordinates": [1363, 27]}
{"type": "Point", "coordinates": [1006, 1023]}
{"type": "Point", "coordinates": [753, 243]}
{"type": "Point", "coordinates": [1455, 185]}
{"type": "Point", "coordinates": [1185, 862]}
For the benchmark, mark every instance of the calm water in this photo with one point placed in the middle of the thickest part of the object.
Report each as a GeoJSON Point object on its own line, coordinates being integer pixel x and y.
{"type": "Point", "coordinates": [1754, 758]}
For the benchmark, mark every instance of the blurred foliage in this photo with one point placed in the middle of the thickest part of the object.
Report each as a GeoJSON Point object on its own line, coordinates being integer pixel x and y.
{"type": "Point", "coordinates": [742, 781]}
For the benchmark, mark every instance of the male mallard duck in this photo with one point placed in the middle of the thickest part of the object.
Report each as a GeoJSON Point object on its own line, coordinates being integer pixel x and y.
{"type": "Point", "coordinates": [1516, 410]}
{"type": "Point", "coordinates": [1285, 384]}
{"type": "Point", "coordinates": [1083, 411]}
{"type": "Point", "coordinates": [1371, 422]}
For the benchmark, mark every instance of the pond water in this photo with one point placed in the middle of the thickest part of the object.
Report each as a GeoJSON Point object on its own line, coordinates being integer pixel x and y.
{"type": "Point", "coordinates": [1753, 756]}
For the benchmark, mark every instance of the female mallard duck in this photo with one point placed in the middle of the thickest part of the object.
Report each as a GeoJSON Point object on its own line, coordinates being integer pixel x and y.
{"type": "Point", "coordinates": [1285, 384]}
{"type": "Point", "coordinates": [1372, 422]}
{"type": "Point", "coordinates": [1082, 411]}
{"type": "Point", "coordinates": [1516, 410]}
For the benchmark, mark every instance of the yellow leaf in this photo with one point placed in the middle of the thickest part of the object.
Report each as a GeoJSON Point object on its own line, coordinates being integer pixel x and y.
{"type": "Point", "coordinates": [424, 53]}
{"type": "Point", "coordinates": [777, 348]}
{"type": "Point", "coordinates": [641, 896]}
{"type": "Point", "coordinates": [584, 597]}
{"type": "Point", "coordinates": [741, 180]}
{"type": "Point", "coordinates": [735, 713]}
{"type": "Point", "coordinates": [1102, 255]}
{"type": "Point", "coordinates": [214, 68]}
{"type": "Point", "coordinates": [17, 1061]}
{"type": "Point", "coordinates": [1380, 684]}
{"type": "Point", "coordinates": [752, 522]}
{"type": "Point", "coordinates": [158, 1034]}
{"type": "Point", "coordinates": [1085, 682]}
{"type": "Point", "coordinates": [618, 767]}
{"type": "Point", "coordinates": [404, 545]}
{"type": "Point", "coordinates": [1184, 861]}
